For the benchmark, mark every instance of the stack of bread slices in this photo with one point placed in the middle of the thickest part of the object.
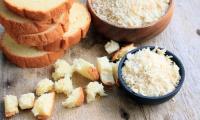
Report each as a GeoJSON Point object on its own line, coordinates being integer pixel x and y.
{"type": "Point", "coordinates": [38, 32]}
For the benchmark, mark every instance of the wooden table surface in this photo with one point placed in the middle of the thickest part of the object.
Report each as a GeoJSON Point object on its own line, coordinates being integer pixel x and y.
{"type": "Point", "coordinates": [182, 37]}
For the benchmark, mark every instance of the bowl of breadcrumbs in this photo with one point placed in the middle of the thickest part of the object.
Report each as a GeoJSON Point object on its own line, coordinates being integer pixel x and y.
{"type": "Point", "coordinates": [151, 75]}
{"type": "Point", "coordinates": [130, 20]}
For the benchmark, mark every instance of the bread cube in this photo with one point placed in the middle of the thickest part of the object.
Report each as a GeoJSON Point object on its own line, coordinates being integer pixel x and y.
{"type": "Point", "coordinates": [11, 105]}
{"type": "Point", "coordinates": [93, 89]}
{"type": "Point", "coordinates": [64, 85]}
{"type": "Point", "coordinates": [26, 101]}
{"type": "Point", "coordinates": [120, 53]}
{"type": "Point", "coordinates": [44, 86]}
{"type": "Point", "coordinates": [105, 71]}
{"type": "Point", "coordinates": [111, 46]}
{"type": "Point", "coordinates": [75, 99]}
{"type": "Point", "coordinates": [43, 106]}
{"type": "Point", "coordinates": [86, 69]}
{"type": "Point", "coordinates": [61, 69]}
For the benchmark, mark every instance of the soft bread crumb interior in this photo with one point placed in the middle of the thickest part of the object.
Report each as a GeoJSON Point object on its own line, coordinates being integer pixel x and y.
{"type": "Point", "coordinates": [105, 70]}
{"type": "Point", "coordinates": [11, 104]}
{"type": "Point", "coordinates": [64, 85]}
{"type": "Point", "coordinates": [44, 86]}
{"type": "Point", "coordinates": [74, 98]}
{"type": "Point", "coordinates": [86, 69]}
{"type": "Point", "coordinates": [78, 17]}
{"type": "Point", "coordinates": [93, 89]}
{"type": "Point", "coordinates": [20, 50]}
{"type": "Point", "coordinates": [111, 46]}
{"type": "Point", "coordinates": [4, 12]}
{"type": "Point", "coordinates": [44, 105]}
{"type": "Point", "coordinates": [26, 101]}
{"type": "Point", "coordinates": [62, 68]}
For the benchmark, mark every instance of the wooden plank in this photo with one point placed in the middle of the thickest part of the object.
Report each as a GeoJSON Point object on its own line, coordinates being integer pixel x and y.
{"type": "Point", "coordinates": [181, 37]}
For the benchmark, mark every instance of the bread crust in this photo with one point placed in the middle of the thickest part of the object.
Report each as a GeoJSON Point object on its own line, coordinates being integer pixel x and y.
{"type": "Point", "coordinates": [80, 101]}
{"type": "Point", "coordinates": [42, 39]}
{"type": "Point", "coordinates": [26, 27]}
{"type": "Point", "coordinates": [84, 29]}
{"type": "Point", "coordinates": [94, 73]}
{"type": "Point", "coordinates": [63, 44]}
{"type": "Point", "coordinates": [31, 62]}
{"type": "Point", "coordinates": [117, 55]}
{"type": "Point", "coordinates": [9, 114]}
{"type": "Point", "coordinates": [52, 14]}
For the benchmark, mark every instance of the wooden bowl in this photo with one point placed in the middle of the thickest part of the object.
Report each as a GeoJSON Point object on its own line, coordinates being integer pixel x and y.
{"type": "Point", "coordinates": [133, 34]}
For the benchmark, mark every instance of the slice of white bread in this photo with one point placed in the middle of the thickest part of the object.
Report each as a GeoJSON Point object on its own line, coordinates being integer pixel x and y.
{"type": "Point", "coordinates": [11, 105]}
{"type": "Point", "coordinates": [64, 85]}
{"type": "Point", "coordinates": [111, 46]}
{"type": "Point", "coordinates": [43, 106]}
{"type": "Point", "coordinates": [79, 23]}
{"type": "Point", "coordinates": [105, 71]}
{"type": "Point", "coordinates": [86, 69]}
{"type": "Point", "coordinates": [26, 101]}
{"type": "Point", "coordinates": [53, 33]}
{"type": "Point", "coordinates": [44, 86]}
{"type": "Point", "coordinates": [40, 10]}
{"type": "Point", "coordinates": [75, 99]}
{"type": "Point", "coordinates": [24, 56]}
{"type": "Point", "coordinates": [93, 89]}
{"type": "Point", "coordinates": [120, 53]}
{"type": "Point", "coordinates": [19, 25]}
{"type": "Point", "coordinates": [62, 68]}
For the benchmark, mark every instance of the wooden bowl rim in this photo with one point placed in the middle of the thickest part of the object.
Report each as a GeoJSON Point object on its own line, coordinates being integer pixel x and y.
{"type": "Point", "coordinates": [171, 6]}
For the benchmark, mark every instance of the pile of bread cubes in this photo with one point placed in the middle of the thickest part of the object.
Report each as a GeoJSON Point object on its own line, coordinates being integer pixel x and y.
{"type": "Point", "coordinates": [62, 83]}
{"type": "Point", "coordinates": [37, 33]}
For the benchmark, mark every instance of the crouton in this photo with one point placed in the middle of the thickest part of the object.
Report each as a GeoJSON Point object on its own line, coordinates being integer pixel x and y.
{"type": "Point", "coordinates": [26, 101]}
{"type": "Point", "coordinates": [44, 86]}
{"type": "Point", "coordinates": [120, 53]}
{"type": "Point", "coordinates": [75, 99]}
{"type": "Point", "coordinates": [86, 69]}
{"type": "Point", "coordinates": [11, 105]}
{"type": "Point", "coordinates": [43, 106]}
{"type": "Point", "coordinates": [61, 69]}
{"type": "Point", "coordinates": [111, 46]}
{"type": "Point", "coordinates": [64, 85]}
{"type": "Point", "coordinates": [93, 89]}
{"type": "Point", "coordinates": [105, 71]}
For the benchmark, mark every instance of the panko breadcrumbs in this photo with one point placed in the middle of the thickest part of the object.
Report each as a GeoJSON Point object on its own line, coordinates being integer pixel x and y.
{"type": "Point", "coordinates": [130, 13]}
{"type": "Point", "coordinates": [150, 73]}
